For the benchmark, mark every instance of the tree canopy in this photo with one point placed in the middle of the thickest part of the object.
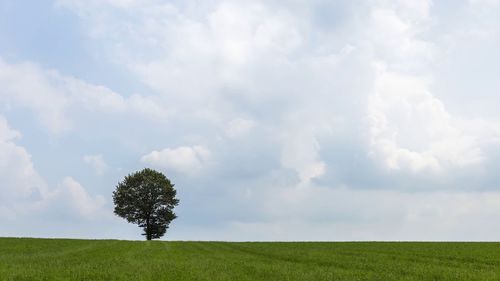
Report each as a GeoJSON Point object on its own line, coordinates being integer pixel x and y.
{"type": "Point", "coordinates": [146, 198]}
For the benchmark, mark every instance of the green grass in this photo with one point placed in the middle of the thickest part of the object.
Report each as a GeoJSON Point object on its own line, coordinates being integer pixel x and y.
{"type": "Point", "coordinates": [61, 259]}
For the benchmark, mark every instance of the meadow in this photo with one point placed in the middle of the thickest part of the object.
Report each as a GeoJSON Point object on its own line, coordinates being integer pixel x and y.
{"type": "Point", "coordinates": [66, 259]}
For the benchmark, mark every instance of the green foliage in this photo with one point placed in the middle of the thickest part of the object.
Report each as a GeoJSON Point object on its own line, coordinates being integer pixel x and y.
{"type": "Point", "coordinates": [99, 260]}
{"type": "Point", "coordinates": [146, 198]}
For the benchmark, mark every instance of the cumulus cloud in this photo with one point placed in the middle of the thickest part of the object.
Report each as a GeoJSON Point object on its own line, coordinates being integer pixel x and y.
{"type": "Point", "coordinates": [55, 97]}
{"type": "Point", "coordinates": [97, 163]}
{"type": "Point", "coordinates": [183, 159]}
{"type": "Point", "coordinates": [24, 85]}
{"type": "Point", "coordinates": [321, 112]}
{"type": "Point", "coordinates": [18, 177]}
{"type": "Point", "coordinates": [66, 210]}
{"type": "Point", "coordinates": [343, 112]}
{"type": "Point", "coordinates": [218, 49]}
{"type": "Point", "coordinates": [411, 129]}
{"type": "Point", "coordinates": [72, 195]}
{"type": "Point", "coordinates": [301, 153]}
{"type": "Point", "coordinates": [24, 190]}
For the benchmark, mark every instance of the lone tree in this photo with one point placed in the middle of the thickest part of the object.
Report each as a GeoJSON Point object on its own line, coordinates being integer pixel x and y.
{"type": "Point", "coordinates": [146, 198]}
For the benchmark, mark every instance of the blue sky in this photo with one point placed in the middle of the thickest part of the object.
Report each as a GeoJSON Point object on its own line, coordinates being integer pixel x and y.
{"type": "Point", "coordinates": [276, 120]}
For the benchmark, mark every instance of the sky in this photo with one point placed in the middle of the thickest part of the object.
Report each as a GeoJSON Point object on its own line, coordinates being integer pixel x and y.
{"type": "Point", "coordinates": [293, 120]}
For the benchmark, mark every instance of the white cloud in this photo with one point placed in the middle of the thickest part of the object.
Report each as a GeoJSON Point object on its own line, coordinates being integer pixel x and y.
{"type": "Point", "coordinates": [484, 2]}
{"type": "Point", "coordinates": [97, 163]}
{"type": "Point", "coordinates": [418, 10]}
{"type": "Point", "coordinates": [259, 51]}
{"type": "Point", "coordinates": [326, 214]}
{"type": "Point", "coordinates": [318, 93]}
{"type": "Point", "coordinates": [25, 85]}
{"type": "Point", "coordinates": [18, 177]}
{"type": "Point", "coordinates": [301, 153]}
{"type": "Point", "coordinates": [7, 134]}
{"type": "Point", "coordinates": [73, 195]}
{"type": "Point", "coordinates": [411, 129]}
{"type": "Point", "coordinates": [82, 5]}
{"type": "Point", "coordinates": [217, 48]}
{"type": "Point", "coordinates": [55, 97]}
{"type": "Point", "coordinates": [239, 127]}
{"type": "Point", "coordinates": [24, 191]}
{"type": "Point", "coordinates": [242, 31]}
{"type": "Point", "coordinates": [183, 159]}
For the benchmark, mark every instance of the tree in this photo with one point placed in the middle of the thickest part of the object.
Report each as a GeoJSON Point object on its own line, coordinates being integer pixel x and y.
{"type": "Point", "coordinates": [146, 198]}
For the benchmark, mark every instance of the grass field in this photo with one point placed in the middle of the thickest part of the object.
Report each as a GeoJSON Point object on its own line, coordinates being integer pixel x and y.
{"type": "Point", "coordinates": [61, 259]}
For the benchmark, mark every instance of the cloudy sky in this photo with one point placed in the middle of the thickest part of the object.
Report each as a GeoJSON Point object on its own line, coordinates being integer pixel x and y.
{"type": "Point", "coordinates": [276, 120]}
